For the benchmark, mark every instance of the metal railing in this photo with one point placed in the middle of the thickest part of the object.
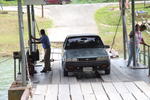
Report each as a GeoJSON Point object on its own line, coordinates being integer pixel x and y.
{"type": "Point", "coordinates": [144, 55]}
{"type": "Point", "coordinates": [16, 56]}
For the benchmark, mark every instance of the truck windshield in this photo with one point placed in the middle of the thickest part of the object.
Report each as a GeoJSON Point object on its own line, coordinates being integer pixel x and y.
{"type": "Point", "coordinates": [84, 42]}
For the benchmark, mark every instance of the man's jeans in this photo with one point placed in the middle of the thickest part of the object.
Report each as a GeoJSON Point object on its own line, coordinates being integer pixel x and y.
{"type": "Point", "coordinates": [131, 54]}
{"type": "Point", "coordinates": [47, 58]}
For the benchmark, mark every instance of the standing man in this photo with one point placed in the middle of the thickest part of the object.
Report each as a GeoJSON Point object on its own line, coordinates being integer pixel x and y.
{"type": "Point", "coordinates": [47, 49]}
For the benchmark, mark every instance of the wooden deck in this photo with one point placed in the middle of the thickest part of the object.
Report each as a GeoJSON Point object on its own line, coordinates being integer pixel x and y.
{"type": "Point", "coordinates": [122, 84]}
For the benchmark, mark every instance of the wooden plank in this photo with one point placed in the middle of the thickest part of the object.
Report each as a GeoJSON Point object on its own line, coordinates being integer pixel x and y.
{"type": "Point", "coordinates": [38, 97]}
{"type": "Point", "coordinates": [117, 71]}
{"type": "Point", "coordinates": [144, 87]}
{"type": "Point", "coordinates": [75, 96]}
{"type": "Point", "coordinates": [99, 91]}
{"type": "Point", "coordinates": [114, 96]}
{"type": "Point", "coordinates": [56, 76]}
{"type": "Point", "coordinates": [86, 88]}
{"type": "Point", "coordinates": [76, 93]}
{"type": "Point", "coordinates": [64, 97]}
{"type": "Point", "coordinates": [120, 87]}
{"type": "Point", "coordinates": [124, 92]}
{"type": "Point", "coordinates": [41, 89]}
{"type": "Point", "coordinates": [101, 97]}
{"type": "Point", "coordinates": [98, 88]}
{"type": "Point", "coordinates": [52, 89]}
{"type": "Point", "coordinates": [111, 91]}
{"type": "Point", "coordinates": [75, 89]}
{"type": "Point", "coordinates": [109, 88]}
{"type": "Point", "coordinates": [121, 76]}
{"type": "Point", "coordinates": [56, 57]}
{"type": "Point", "coordinates": [106, 78]}
{"type": "Point", "coordinates": [89, 97]}
{"type": "Point", "coordinates": [132, 87]}
{"type": "Point", "coordinates": [72, 80]}
{"type": "Point", "coordinates": [50, 97]}
{"type": "Point", "coordinates": [139, 95]}
{"type": "Point", "coordinates": [56, 54]}
{"type": "Point", "coordinates": [120, 64]}
{"type": "Point", "coordinates": [112, 77]}
{"type": "Point", "coordinates": [64, 89]}
{"type": "Point", "coordinates": [64, 92]}
{"type": "Point", "coordinates": [127, 96]}
{"type": "Point", "coordinates": [63, 80]}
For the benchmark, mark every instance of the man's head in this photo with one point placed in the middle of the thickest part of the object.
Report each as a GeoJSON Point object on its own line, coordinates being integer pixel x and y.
{"type": "Point", "coordinates": [142, 27]}
{"type": "Point", "coordinates": [42, 31]}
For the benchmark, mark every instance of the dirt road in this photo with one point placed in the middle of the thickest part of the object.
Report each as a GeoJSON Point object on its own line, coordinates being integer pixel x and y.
{"type": "Point", "coordinates": [70, 19]}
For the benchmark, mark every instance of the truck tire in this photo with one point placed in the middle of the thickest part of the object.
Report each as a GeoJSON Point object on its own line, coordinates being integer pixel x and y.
{"type": "Point", "coordinates": [107, 71]}
{"type": "Point", "coordinates": [65, 73]}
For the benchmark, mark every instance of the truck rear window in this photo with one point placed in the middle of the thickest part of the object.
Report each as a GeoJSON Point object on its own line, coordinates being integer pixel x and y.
{"type": "Point", "coordinates": [84, 42]}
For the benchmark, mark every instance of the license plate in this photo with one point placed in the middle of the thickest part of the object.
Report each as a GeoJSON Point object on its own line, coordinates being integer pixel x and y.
{"type": "Point", "coordinates": [87, 69]}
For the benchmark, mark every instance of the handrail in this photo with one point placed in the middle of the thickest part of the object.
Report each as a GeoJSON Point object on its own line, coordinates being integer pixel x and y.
{"type": "Point", "coordinates": [144, 56]}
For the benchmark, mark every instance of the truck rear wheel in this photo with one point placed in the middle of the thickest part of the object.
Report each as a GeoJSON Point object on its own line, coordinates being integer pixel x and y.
{"type": "Point", "coordinates": [107, 71]}
{"type": "Point", "coordinates": [65, 73]}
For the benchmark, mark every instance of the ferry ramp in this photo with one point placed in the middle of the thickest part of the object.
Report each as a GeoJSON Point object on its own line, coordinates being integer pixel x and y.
{"type": "Point", "coordinates": [122, 84]}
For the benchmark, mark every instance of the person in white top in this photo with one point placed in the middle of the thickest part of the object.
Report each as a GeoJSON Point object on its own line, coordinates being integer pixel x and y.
{"type": "Point", "coordinates": [138, 40]}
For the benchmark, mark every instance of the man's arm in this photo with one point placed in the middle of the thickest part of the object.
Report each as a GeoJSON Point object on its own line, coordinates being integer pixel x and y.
{"type": "Point", "coordinates": [142, 41]}
{"type": "Point", "coordinates": [37, 39]}
{"type": "Point", "coordinates": [38, 42]}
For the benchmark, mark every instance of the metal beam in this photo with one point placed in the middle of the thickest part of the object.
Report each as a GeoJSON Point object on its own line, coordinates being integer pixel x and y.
{"type": "Point", "coordinates": [33, 26]}
{"type": "Point", "coordinates": [29, 27]}
{"type": "Point", "coordinates": [42, 11]}
{"type": "Point", "coordinates": [21, 38]}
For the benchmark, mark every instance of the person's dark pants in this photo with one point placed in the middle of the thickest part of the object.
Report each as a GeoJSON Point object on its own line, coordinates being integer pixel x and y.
{"type": "Point", "coordinates": [47, 59]}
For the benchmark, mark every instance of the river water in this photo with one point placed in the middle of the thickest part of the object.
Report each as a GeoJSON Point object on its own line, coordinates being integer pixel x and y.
{"type": "Point", "coordinates": [6, 76]}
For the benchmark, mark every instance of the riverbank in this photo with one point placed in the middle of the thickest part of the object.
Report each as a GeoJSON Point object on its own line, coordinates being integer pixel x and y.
{"type": "Point", "coordinates": [9, 39]}
{"type": "Point", "coordinates": [3, 55]}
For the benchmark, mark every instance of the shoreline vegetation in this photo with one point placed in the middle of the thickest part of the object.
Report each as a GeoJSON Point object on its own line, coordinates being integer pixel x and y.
{"type": "Point", "coordinates": [9, 39]}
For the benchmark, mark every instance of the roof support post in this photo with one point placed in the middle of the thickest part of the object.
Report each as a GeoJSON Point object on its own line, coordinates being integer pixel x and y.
{"type": "Point", "coordinates": [29, 27]}
{"type": "Point", "coordinates": [33, 26]}
{"type": "Point", "coordinates": [21, 38]}
{"type": "Point", "coordinates": [133, 30]}
{"type": "Point", "coordinates": [42, 10]}
{"type": "Point", "coordinates": [124, 29]}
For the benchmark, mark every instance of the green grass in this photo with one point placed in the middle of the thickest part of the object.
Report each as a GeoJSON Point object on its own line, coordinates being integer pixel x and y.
{"type": "Point", "coordinates": [9, 39]}
{"type": "Point", "coordinates": [107, 19]}
{"type": "Point", "coordinates": [14, 2]}
{"type": "Point", "coordinates": [9, 3]}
